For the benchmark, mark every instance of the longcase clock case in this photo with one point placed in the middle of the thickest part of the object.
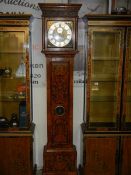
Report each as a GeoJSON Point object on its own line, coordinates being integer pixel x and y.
{"type": "Point", "coordinates": [107, 126]}
{"type": "Point", "coordinates": [59, 35]}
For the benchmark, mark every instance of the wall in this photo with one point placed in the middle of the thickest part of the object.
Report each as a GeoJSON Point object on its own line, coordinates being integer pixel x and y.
{"type": "Point", "coordinates": [39, 83]}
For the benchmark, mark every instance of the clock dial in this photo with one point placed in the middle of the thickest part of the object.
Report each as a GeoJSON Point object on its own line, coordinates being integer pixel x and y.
{"type": "Point", "coordinates": [59, 33]}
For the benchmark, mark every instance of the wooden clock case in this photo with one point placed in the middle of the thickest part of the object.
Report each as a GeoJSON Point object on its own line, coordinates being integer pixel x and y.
{"type": "Point", "coordinates": [60, 156]}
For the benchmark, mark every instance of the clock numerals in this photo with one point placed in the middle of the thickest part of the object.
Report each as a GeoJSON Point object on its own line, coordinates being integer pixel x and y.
{"type": "Point", "coordinates": [59, 30]}
{"type": "Point", "coordinates": [60, 33]}
{"type": "Point", "coordinates": [53, 41]}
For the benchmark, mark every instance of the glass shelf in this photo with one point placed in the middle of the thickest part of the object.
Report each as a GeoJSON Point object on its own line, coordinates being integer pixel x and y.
{"type": "Point", "coordinates": [102, 78]}
{"type": "Point", "coordinates": [103, 98]}
{"type": "Point", "coordinates": [105, 58]}
{"type": "Point", "coordinates": [12, 96]}
{"type": "Point", "coordinates": [11, 78]}
{"type": "Point", "coordinates": [8, 99]}
{"type": "Point", "coordinates": [12, 52]}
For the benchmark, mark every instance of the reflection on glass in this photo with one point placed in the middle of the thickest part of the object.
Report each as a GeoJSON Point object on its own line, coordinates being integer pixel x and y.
{"type": "Point", "coordinates": [129, 45]}
{"type": "Point", "coordinates": [129, 70]}
{"type": "Point", "coordinates": [104, 44]}
{"type": "Point", "coordinates": [104, 70]}
{"type": "Point", "coordinates": [128, 112]}
{"type": "Point", "coordinates": [21, 71]}
{"type": "Point", "coordinates": [104, 76]}
{"type": "Point", "coordinates": [103, 90]}
{"type": "Point", "coordinates": [102, 112]}
{"type": "Point", "coordinates": [128, 82]}
{"type": "Point", "coordinates": [12, 41]}
{"type": "Point", "coordinates": [12, 71]}
{"type": "Point", "coordinates": [129, 90]}
{"type": "Point", "coordinates": [123, 3]}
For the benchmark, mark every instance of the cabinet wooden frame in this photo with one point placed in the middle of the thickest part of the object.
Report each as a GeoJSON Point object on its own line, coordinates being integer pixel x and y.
{"type": "Point", "coordinates": [116, 7]}
{"type": "Point", "coordinates": [16, 141]}
{"type": "Point", "coordinates": [106, 152]}
{"type": "Point", "coordinates": [17, 150]}
{"type": "Point", "coordinates": [104, 24]}
{"type": "Point", "coordinates": [108, 80]}
{"type": "Point", "coordinates": [21, 25]}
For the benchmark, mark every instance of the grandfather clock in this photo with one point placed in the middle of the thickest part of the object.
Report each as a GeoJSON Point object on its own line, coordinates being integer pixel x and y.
{"type": "Point", "coordinates": [59, 35]}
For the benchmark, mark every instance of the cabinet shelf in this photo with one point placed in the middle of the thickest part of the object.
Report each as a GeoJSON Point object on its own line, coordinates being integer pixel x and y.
{"type": "Point", "coordinates": [12, 100]}
{"type": "Point", "coordinates": [104, 79]}
{"type": "Point", "coordinates": [13, 52]}
{"type": "Point", "coordinates": [11, 78]}
{"type": "Point", "coordinates": [106, 59]}
{"type": "Point", "coordinates": [103, 99]}
{"type": "Point", "coordinates": [12, 96]}
{"type": "Point", "coordinates": [16, 131]}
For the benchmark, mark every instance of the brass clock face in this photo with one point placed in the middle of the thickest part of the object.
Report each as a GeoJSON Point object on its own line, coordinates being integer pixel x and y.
{"type": "Point", "coordinates": [60, 34]}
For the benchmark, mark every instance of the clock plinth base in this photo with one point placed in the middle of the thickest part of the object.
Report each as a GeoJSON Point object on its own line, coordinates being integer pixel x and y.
{"type": "Point", "coordinates": [60, 161]}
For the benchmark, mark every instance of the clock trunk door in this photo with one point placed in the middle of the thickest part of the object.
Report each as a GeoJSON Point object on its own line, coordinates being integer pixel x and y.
{"type": "Point", "coordinates": [60, 73]}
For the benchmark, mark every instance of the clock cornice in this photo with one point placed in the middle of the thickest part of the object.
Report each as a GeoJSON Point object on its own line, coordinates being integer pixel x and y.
{"type": "Point", "coordinates": [60, 10]}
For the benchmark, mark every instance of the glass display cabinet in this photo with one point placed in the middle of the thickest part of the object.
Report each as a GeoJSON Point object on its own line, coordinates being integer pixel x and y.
{"type": "Point", "coordinates": [16, 128]}
{"type": "Point", "coordinates": [121, 7]}
{"type": "Point", "coordinates": [14, 75]}
{"type": "Point", "coordinates": [104, 77]}
{"type": "Point", "coordinates": [107, 126]}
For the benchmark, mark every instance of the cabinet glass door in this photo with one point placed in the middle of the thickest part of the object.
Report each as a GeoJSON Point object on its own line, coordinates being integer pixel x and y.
{"type": "Point", "coordinates": [104, 77]}
{"type": "Point", "coordinates": [127, 84]}
{"type": "Point", "coordinates": [14, 78]}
